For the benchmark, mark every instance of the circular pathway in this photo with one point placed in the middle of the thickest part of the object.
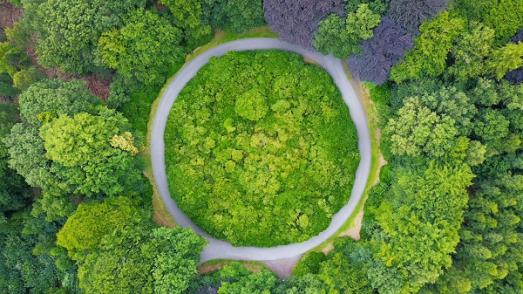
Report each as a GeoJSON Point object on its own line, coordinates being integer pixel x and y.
{"type": "Point", "coordinates": [218, 249]}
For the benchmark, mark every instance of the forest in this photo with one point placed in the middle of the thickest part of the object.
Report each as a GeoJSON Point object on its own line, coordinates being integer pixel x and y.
{"type": "Point", "coordinates": [78, 79]}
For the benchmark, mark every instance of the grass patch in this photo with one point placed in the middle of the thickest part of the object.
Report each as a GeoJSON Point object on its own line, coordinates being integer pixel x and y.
{"type": "Point", "coordinates": [371, 108]}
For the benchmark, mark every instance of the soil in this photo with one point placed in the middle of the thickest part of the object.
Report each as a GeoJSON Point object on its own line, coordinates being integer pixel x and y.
{"type": "Point", "coordinates": [9, 14]}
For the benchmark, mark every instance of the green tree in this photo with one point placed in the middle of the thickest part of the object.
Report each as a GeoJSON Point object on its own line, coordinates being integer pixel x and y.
{"type": "Point", "coordinates": [234, 15]}
{"type": "Point", "coordinates": [417, 227]}
{"type": "Point", "coordinates": [51, 98]}
{"type": "Point", "coordinates": [29, 260]}
{"type": "Point", "coordinates": [505, 59]}
{"type": "Point", "coordinates": [491, 243]}
{"type": "Point", "coordinates": [91, 222]}
{"type": "Point", "coordinates": [146, 49]}
{"type": "Point", "coordinates": [417, 130]}
{"type": "Point", "coordinates": [432, 46]}
{"type": "Point", "coordinates": [471, 51]}
{"type": "Point", "coordinates": [236, 279]}
{"type": "Point", "coordinates": [504, 16]}
{"type": "Point", "coordinates": [26, 77]}
{"type": "Point", "coordinates": [126, 253]}
{"type": "Point", "coordinates": [343, 37]}
{"type": "Point", "coordinates": [6, 86]}
{"type": "Point", "coordinates": [14, 193]}
{"type": "Point", "coordinates": [70, 30]}
{"type": "Point", "coordinates": [189, 17]}
{"type": "Point", "coordinates": [84, 154]}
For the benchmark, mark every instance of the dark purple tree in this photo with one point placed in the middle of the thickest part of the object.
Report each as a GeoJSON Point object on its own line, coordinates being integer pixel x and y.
{"type": "Point", "coordinates": [518, 37]}
{"type": "Point", "coordinates": [296, 20]}
{"type": "Point", "coordinates": [516, 76]}
{"type": "Point", "coordinates": [411, 13]}
{"type": "Point", "coordinates": [388, 46]}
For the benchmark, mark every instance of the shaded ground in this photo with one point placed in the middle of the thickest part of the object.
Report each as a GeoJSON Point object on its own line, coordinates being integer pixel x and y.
{"type": "Point", "coordinates": [9, 14]}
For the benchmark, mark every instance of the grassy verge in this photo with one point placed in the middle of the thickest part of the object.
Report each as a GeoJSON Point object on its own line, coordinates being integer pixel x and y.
{"type": "Point", "coordinates": [221, 37]}
{"type": "Point", "coordinates": [376, 161]}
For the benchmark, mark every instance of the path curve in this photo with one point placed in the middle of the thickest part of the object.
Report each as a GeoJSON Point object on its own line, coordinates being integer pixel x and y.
{"type": "Point", "coordinates": [218, 249]}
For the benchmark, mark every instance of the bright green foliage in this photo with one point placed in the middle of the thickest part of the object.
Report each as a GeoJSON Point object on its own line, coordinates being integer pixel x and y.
{"type": "Point", "coordinates": [417, 227]}
{"type": "Point", "coordinates": [71, 28]}
{"type": "Point", "coordinates": [343, 270]}
{"type": "Point", "coordinates": [491, 240]}
{"type": "Point", "coordinates": [331, 37]}
{"type": "Point", "coordinates": [419, 131]}
{"type": "Point", "coordinates": [343, 37]}
{"type": "Point", "coordinates": [234, 15]}
{"type": "Point", "coordinates": [506, 58]}
{"type": "Point", "coordinates": [236, 279]}
{"type": "Point", "coordinates": [26, 77]}
{"type": "Point", "coordinates": [86, 227]}
{"type": "Point", "coordinates": [471, 52]}
{"type": "Point", "coordinates": [260, 149]}
{"type": "Point", "coordinates": [251, 105]}
{"type": "Point", "coordinates": [12, 59]}
{"type": "Point", "coordinates": [361, 22]}
{"type": "Point", "coordinates": [42, 100]}
{"type": "Point", "coordinates": [429, 56]}
{"type": "Point", "coordinates": [118, 250]}
{"type": "Point", "coordinates": [144, 50]}
{"type": "Point", "coordinates": [100, 161]}
{"type": "Point", "coordinates": [86, 161]}
{"type": "Point", "coordinates": [504, 16]}
{"type": "Point", "coordinates": [189, 17]}
{"type": "Point", "coordinates": [378, 6]}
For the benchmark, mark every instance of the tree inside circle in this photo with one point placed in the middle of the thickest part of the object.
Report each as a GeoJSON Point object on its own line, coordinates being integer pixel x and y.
{"type": "Point", "coordinates": [261, 149]}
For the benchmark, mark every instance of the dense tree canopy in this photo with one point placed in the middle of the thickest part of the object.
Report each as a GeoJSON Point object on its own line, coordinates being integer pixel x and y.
{"type": "Point", "coordinates": [70, 30]}
{"type": "Point", "coordinates": [99, 161]}
{"type": "Point", "coordinates": [145, 49]}
{"type": "Point", "coordinates": [14, 194]}
{"type": "Point", "coordinates": [91, 154]}
{"type": "Point", "coordinates": [248, 113]}
{"type": "Point", "coordinates": [268, 139]}
{"type": "Point", "coordinates": [429, 57]}
{"type": "Point", "coordinates": [504, 16]}
{"type": "Point", "coordinates": [189, 17]}
{"type": "Point", "coordinates": [296, 20]}
{"type": "Point", "coordinates": [234, 15]}
{"type": "Point", "coordinates": [118, 249]}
